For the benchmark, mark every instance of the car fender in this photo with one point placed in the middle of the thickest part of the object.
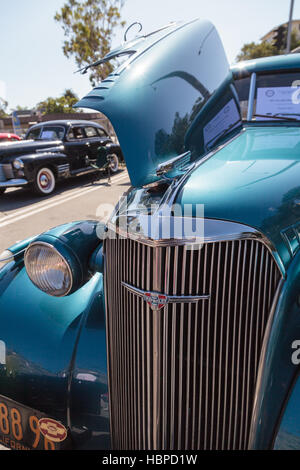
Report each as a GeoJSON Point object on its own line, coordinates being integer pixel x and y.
{"type": "Point", "coordinates": [277, 371]}
{"type": "Point", "coordinates": [47, 346]}
{"type": "Point", "coordinates": [51, 159]}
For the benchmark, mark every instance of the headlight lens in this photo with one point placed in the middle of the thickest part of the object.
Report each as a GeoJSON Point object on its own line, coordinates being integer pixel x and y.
{"type": "Point", "coordinates": [48, 269]}
{"type": "Point", "coordinates": [18, 164]}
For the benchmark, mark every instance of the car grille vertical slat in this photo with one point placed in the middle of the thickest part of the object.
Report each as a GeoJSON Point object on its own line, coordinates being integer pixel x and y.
{"type": "Point", "coordinates": [183, 377]}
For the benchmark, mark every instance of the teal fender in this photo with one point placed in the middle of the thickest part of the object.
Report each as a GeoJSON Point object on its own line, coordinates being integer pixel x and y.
{"type": "Point", "coordinates": [53, 353]}
{"type": "Point", "coordinates": [277, 373]}
{"type": "Point", "coordinates": [288, 436]}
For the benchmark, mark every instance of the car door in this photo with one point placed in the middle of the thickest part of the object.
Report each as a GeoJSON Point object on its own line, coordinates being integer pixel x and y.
{"type": "Point", "coordinates": [77, 147]}
{"type": "Point", "coordinates": [95, 138]}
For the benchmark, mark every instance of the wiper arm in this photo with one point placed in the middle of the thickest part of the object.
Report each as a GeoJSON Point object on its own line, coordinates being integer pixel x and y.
{"type": "Point", "coordinates": [280, 116]}
{"type": "Point", "coordinates": [288, 114]}
{"type": "Point", "coordinates": [106, 58]}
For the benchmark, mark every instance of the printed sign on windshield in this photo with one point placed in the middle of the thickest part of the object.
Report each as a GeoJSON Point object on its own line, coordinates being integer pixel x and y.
{"type": "Point", "coordinates": [278, 102]}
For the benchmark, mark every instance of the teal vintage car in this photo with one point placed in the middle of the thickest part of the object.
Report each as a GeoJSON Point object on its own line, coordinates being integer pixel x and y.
{"type": "Point", "coordinates": [177, 324]}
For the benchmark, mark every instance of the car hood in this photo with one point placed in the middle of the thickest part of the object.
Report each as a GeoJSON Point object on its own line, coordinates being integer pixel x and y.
{"type": "Point", "coordinates": [25, 147]}
{"type": "Point", "coordinates": [152, 98]}
{"type": "Point", "coordinates": [253, 180]}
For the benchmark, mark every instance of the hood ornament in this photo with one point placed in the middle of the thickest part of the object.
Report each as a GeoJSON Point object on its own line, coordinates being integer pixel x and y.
{"type": "Point", "coordinates": [131, 26]}
{"type": "Point", "coordinates": [157, 300]}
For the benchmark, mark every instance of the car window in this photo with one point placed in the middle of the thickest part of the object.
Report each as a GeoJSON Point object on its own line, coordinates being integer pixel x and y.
{"type": "Point", "coordinates": [33, 134]}
{"type": "Point", "coordinates": [91, 131]}
{"type": "Point", "coordinates": [276, 94]}
{"type": "Point", "coordinates": [101, 132]}
{"type": "Point", "coordinates": [242, 87]}
{"type": "Point", "coordinates": [52, 133]}
{"type": "Point", "coordinates": [76, 133]}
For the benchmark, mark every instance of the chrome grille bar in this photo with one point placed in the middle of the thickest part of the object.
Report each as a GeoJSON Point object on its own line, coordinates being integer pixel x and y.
{"type": "Point", "coordinates": [183, 377]}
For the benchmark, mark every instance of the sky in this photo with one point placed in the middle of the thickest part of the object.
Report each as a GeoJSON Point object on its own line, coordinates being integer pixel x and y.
{"type": "Point", "coordinates": [33, 66]}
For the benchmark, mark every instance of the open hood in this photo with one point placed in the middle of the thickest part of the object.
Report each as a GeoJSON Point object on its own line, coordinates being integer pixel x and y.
{"type": "Point", "coordinates": [152, 99]}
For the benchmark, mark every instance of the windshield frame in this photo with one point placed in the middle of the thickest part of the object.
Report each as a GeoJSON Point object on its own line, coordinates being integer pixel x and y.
{"type": "Point", "coordinates": [42, 129]}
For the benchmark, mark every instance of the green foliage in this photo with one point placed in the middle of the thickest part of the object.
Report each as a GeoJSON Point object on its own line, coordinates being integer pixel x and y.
{"type": "Point", "coordinates": [63, 104]}
{"type": "Point", "coordinates": [254, 51]}
{"type": "Point", "coordinates": [280, 39]}
{"type": "Point", "coordinates": [265, 49]}
{"type": "Point", "coordinates": [3, 108]}
{"type": "Point", "coordinates": [89, 26]}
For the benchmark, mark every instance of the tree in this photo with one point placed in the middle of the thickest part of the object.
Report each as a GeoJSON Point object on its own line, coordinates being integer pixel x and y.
{"type": "Point", "coordinates": [279, 41]}
{"type": "Point", "coordinates": [3, 108]}
{"type": "Point", "coordinates": [89, 27]}
{"type": "Point", "coordinates": [63, 104]}
{"type": "Point", "coordinates": [254, 51]}
{"type": "Point", "coordinates": [265, 49]}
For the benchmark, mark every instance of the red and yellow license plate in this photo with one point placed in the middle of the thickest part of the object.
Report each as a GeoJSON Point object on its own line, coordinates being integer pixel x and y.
{"type": "Point", "coordinates": [22, 428]}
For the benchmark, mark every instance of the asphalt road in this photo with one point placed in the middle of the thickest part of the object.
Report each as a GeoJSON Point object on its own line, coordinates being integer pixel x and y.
{"type": "Point", "coordinates": [23, 214]}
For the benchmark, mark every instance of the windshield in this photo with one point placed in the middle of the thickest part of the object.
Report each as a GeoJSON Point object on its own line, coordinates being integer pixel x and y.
{"type": "Point", "coordinates": [276, 96]}
{"type": "Point", "coordinates": [46, 133]}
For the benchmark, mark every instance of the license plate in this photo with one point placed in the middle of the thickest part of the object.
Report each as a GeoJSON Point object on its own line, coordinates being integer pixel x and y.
{"type": "Point", "coordinates": [22, 428]}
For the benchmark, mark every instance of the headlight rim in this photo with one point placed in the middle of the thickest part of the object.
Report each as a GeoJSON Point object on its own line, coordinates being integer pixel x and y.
{"type": "Point", "coordinates": [65, 260]}
{"type": "Point", "coordinates": [20, 162]}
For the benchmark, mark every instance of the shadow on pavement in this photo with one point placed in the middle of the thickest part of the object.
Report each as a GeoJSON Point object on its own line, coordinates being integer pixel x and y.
{"type": "Point", "coordinates": [22, 197]}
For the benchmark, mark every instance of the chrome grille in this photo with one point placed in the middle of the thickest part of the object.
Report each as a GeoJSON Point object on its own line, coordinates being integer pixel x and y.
{"type": "Point", "coordinates": [6, 172]}
{"type": "Point", "coordinates": [184, 377]}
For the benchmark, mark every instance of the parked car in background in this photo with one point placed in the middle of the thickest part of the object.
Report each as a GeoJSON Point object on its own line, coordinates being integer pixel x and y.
{"type": "Point", "coordinates": [8, 137]}
{"type": "Point", "coordinates": [177, 324]}
{"type": "Point", "coordinates": [55, 150]}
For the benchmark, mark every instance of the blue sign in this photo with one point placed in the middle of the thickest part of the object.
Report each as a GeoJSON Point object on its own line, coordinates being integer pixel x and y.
{"type": "Point", "coordinates": [16, 123]}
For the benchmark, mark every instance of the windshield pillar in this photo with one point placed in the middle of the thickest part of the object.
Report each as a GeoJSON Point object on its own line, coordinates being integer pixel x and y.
{"type": "Point", "coordinates": [251, 97]}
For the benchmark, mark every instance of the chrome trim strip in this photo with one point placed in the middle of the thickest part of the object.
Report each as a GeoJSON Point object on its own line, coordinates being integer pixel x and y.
{"type": "Point", "coordinates": [13, 182]}
{"type": "Point", "coordinates": [173, 299]}
{"type": "Point", "coordinates": [251, 96]}
{"type": "Point", "coordinates": [13, 256]}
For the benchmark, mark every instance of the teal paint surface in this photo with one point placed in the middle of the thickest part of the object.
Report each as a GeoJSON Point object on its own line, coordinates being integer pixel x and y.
{"type": "Point", "coordinates": [254, 180]}
{"type": "Point", "coordinates": [152, 100]}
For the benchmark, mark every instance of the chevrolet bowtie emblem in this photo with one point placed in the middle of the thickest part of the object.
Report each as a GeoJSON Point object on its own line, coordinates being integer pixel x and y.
{"type": "Point", "coordinates": [157, 301]}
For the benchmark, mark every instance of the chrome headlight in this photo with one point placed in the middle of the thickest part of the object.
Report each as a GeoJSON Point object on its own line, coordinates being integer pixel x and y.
{"type": "Point", "coordinates": [18, 164]}
{"type": "Point", "coordinates": [48, 269]}
{"type": "Point", "coordinates": [5, 258]}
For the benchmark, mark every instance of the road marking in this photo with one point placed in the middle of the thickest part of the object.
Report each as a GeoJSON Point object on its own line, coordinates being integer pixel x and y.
{"type": "Point", "coordinates": [28, 213]}
{"type": "Point", "coordinates": [58, 198]}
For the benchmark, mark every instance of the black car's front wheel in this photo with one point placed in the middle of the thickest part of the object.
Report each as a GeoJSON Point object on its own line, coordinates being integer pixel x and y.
{"type": "Point", "coordinates": [44, 182]}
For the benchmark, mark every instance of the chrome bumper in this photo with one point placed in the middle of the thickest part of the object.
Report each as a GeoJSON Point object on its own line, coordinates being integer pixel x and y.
{"type": "Point", "coordinates": [13, 183]}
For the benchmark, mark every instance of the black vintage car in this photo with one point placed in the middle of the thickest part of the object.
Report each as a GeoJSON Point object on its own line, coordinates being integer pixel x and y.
{"type": "Point", "coordinates": [56, 149]}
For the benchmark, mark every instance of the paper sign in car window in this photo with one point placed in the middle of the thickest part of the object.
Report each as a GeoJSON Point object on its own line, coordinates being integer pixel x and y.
{"type": "Point", "coordinates": [278, 100]}
{"type": "Point", "coordinates": [48, 135]}
{"type": "Point", "coordinates": [226, 119]}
